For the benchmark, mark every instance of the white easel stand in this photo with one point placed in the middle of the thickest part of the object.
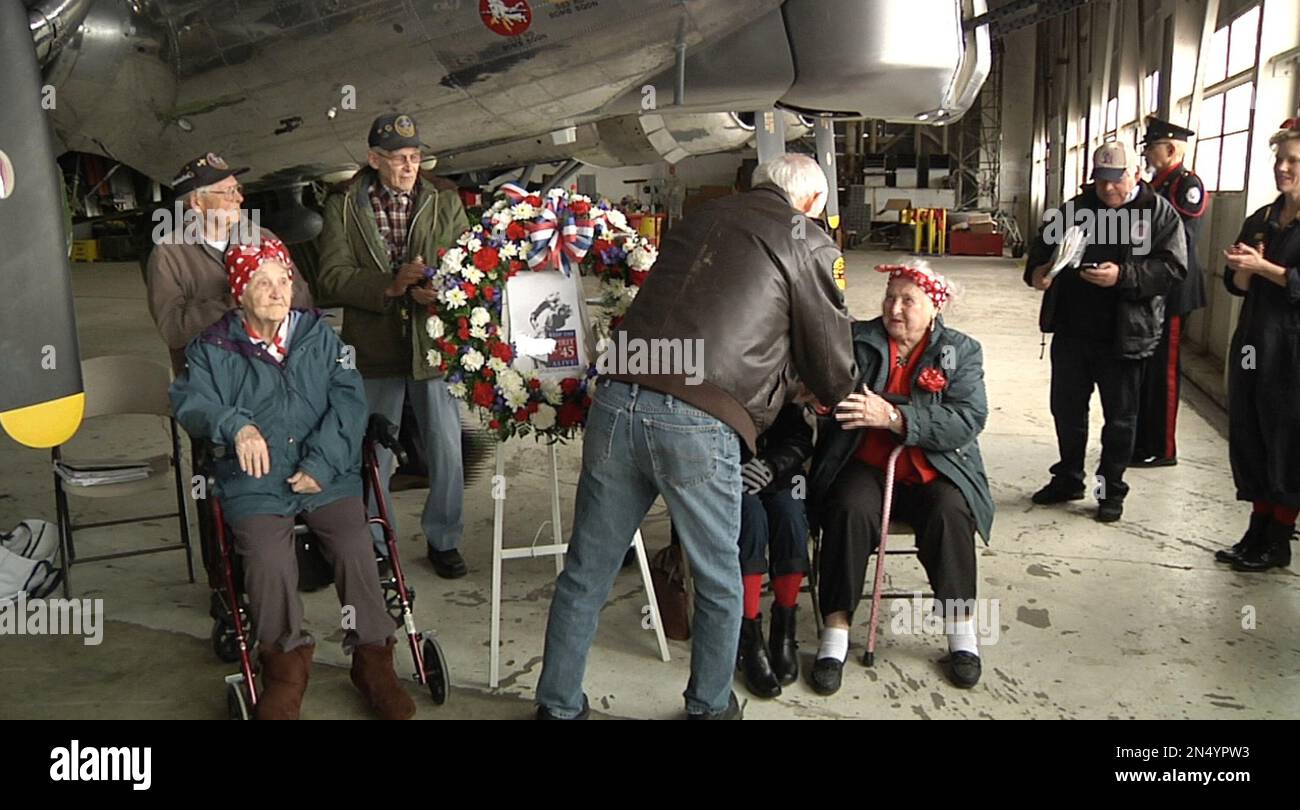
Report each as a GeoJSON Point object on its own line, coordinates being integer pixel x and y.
{"type": "Point", "coordinates": [556, 549]}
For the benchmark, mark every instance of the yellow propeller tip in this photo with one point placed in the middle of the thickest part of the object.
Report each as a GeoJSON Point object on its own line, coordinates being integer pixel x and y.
{"type": "Point", "coordinates": [45, 424]}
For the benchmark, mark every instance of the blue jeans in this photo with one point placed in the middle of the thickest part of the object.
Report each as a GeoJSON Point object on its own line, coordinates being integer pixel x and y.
{"type": "Point", "coordinates": [437, 415]}
{"type": "Point", "coordinates": [638, 444]}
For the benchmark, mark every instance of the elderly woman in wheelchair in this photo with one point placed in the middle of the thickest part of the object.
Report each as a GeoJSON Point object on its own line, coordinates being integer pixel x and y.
{"type": "Point", "coordinates": [271, 385]}
{"type": "Point", "coordinates": [920, 393]}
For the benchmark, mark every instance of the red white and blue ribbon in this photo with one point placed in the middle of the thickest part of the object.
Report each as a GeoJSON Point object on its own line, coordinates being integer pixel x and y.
{"type": "Point", "coordinates": [558, 237]}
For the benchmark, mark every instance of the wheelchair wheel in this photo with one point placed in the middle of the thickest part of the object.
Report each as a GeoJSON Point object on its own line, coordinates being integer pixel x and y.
{"type": "Point", "coordinates": [237, 702]}
{"type": "Point", "coordinates": [435, 670]}
{"type": "Point", "coordinates": [225, 643]}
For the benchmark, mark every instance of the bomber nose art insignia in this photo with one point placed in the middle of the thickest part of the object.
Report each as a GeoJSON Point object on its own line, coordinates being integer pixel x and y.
{"type": "Point", "coordinates": [509, 18]}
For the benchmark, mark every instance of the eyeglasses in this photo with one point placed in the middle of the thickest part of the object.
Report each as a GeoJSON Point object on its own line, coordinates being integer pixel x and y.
{"type": "Point", "coordinates": [228, 193]}
{"type": "Point", "coordinates": [401, 160]}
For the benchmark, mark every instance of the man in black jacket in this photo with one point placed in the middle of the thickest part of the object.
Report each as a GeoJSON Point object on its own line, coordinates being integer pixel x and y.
{"type": "Point", "coordinates": [1106, 316]}
{"type": "Point", "coordinates": [741, 301]}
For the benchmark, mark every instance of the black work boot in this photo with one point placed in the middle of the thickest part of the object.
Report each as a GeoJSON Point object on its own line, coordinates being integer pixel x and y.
{"type": "Point", "coordinates": [1273, 550]}
{"type": "Point", "coordinates": [1258, 521]}
{"type": "Point", "coordinates": [753, 660]}
{"type": "Point", "coordinates": [781, 645]}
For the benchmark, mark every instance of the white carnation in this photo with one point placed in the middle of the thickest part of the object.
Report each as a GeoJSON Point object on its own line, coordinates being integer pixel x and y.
{"type": "Point", "coordinates": [544, 419]}
{"type": "Point", "coordinates": [473, 245]}
{"type": "Point", "coordinates": [435, 327]}
{"type": "Point", "coordinates": [478, 333]}
{"type": "Point", "coordinates": [471, 360]}
{"type": "Point", "coordinates": [510, 380]}
{"type": "Point", "coordinates": [433, 358]}
{"type": "Point", "coordinates": [497, 364]}
{"type": "Point", "coordinates": [616, 220]}
{"type": "Point", "coordinates": [457, 390]}
{"type": "Point", "coordinates": [479, 316]}
{"type": "Point", "coordinates": [642, 257]}
{"type": "Point", "coordinates": [552, 392]}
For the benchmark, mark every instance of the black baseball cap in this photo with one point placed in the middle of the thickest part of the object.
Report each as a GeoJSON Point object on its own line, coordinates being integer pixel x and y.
{"type": "Point", "coordinates": [393, 131]}
{"type": "Point", "coordinates": [203, 171]}
{"type": "Point", "coordinates": [1160, 130]}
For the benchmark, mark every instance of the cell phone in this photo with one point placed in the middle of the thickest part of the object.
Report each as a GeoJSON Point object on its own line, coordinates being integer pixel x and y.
{"type": "Point", "coordinates": [1088, 266]}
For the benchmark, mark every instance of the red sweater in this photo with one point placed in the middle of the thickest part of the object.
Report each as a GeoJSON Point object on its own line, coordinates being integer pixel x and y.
{"type": "Point", "coordinates": [912, 467]}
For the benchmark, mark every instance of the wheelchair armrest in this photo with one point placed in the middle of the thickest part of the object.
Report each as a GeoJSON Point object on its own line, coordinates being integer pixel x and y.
{"type": "Point", "coordinates": [384, 433]}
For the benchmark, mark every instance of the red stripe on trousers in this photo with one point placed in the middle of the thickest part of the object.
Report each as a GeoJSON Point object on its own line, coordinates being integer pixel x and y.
{"type": "Point", "coordinates": [1171, 386]}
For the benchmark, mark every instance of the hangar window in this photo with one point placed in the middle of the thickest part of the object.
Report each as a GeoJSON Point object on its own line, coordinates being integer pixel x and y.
{"type": "Point", "coordinates": [1151, 92]}
{"type": "Point", "coordinates": [1226, 111]}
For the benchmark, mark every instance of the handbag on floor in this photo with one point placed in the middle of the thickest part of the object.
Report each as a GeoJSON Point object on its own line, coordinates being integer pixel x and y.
{"type": "Point", "coordinates": [668, 573]}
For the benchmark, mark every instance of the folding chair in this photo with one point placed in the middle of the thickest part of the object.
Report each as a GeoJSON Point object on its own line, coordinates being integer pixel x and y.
{"type": "Point", "coordinates": [888, 528]}
{"type": "Point", "coordinates": [118, 385]}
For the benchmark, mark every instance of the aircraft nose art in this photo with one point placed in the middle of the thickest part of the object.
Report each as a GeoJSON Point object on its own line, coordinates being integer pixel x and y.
{"type": "Point", "coordinates": [41, 399]}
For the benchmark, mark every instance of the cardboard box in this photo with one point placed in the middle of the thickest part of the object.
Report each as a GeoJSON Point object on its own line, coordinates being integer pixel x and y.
{"type": "Point", "coordinates": [983, 227]}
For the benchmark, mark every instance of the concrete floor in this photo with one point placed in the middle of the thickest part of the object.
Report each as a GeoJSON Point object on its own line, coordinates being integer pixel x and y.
{"type": "Point", "coordinates": [1127, 620]}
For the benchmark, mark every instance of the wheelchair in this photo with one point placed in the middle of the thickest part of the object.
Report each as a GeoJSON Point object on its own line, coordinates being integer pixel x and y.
{"type": "Point", "coordinates": [233, 623]}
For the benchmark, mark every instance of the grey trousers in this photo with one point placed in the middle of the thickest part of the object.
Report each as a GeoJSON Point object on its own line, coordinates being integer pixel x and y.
{"type": "Point", "coordinates": [437, 414]}
{"type": "Point", "coordinates": [270, 556]}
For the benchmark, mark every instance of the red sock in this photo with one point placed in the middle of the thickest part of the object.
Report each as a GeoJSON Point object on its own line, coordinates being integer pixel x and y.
{"type": "Point", "coordinates": [1262, 507]}
{"type": "Point", "coordinates": [1285, 515]}
{"type": "Point", "coordinates": [786, 588]}
{"type": "Point", "coordinates": [753, 590]}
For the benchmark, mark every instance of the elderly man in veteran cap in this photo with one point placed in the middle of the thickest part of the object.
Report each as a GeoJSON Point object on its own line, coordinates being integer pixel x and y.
{"type": "Point", "coordinates": [1164, 147]}
{"type": "Point", "coordinates": [185, 273]}
{"type": "Point", "coordinates": [1106, 316]}
{"type": "Point", "coordinates": [380, 230]}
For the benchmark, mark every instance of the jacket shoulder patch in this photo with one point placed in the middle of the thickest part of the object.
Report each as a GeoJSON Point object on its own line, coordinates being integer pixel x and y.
{"type": "Point", "coordinates": [1188, 195]}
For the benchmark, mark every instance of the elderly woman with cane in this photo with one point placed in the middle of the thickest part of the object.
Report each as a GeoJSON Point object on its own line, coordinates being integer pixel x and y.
{"type": "Point", "coordinates": [930, 440]}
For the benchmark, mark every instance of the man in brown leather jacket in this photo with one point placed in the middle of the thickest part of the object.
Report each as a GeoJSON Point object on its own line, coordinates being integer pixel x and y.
{"type": "Point", "coordinates": [741, 302]}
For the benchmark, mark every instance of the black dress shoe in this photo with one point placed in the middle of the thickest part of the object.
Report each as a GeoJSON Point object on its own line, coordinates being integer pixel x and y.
{"type": "Point", "coordinates": [448, 564]}
{"type": "Point", "coordinates": [732, 712]}
{"type": "Point", "coordinates": [827, 674]}
{"type": "Point", "coordinates": [1109, 510]}
{"type": "Point", "coordinates": [752, 658]}
{"type": "Point", "coordinates": [1057, 491]}
{"type": "Point", "coordinates": [1154, 461]}
{"type": "Point", "coordinates": [1249, 540]}
{"type": "Point", "coordinates": [1273, 550]}
{"type": "Point", "coordinates": [781, 645]}
{"type": "Point", "coordinates": [964, 669]}
{"type": "Point", "coordinates": [544, 713]}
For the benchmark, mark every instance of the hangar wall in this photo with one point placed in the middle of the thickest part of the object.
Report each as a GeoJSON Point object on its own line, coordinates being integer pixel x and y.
{"type": "Point", "coordinates": [1094, 74]}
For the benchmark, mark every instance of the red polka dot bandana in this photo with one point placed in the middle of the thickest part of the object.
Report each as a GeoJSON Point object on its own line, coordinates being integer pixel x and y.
{"type": "Point", "coordinates": [243, 260]}
{"type": "Point", "coordinates": [934, 286]}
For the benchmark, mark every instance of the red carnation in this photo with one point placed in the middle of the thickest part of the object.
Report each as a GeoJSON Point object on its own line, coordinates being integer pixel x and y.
{"type": "Point", "coordinates": [570, 414]}
{"type": "Point", "coordinates": [471, 292]}
{"type": "Point", "coordinates": [533, 406]}
{"type": "Point", "coordinates": [516, 232]}
{"type": "Point", "coordinates": [442, 252]}
{"type": "Point", "coordinates": [569, 386]}
{"type": "Point", "coordinates": [487, 259]}
{"type": "Point", "coordinates": [463, 331]}
{"type": "Point", "coordinates": [603, 245]}
{"type": "Point", "coordinates": [494, 424]}
{"type": "Point", "coordinates": [932, 380]}
{"type": "Point", "coordinates": [534, 384]}
{"type": "Point", "coordinates": [533, 200]}
{"type": "Point", "coordinates": [581, 207]}
{"type": "Point", "coordinates": [489, 293]}
{"type": "Point", "coordinates": [501, 349]}
{"type": "Point", "coordinates": [521, 415]}
{"type": "Point", "coordinates": [484, 395]}
{"type": "Point", "coordinates": [487, 373]}
{"type": "Point", "coordinates": [515, 267]}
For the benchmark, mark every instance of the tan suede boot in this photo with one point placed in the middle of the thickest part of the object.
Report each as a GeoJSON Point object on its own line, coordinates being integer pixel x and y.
{"type": "Point", "coordinates": [373, 675]}
{"type": "Point", "coordinates": [284, 680]}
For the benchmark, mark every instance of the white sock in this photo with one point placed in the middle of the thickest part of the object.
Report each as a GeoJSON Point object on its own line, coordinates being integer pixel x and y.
{"type": "Point", "coordinates": [961, 636]}
{"type": "Point", "coordinates": [835, 643]}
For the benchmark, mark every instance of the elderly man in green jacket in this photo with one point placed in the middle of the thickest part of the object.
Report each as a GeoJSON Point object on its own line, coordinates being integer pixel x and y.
{"type": "Point", "coordinates": [379, 234]}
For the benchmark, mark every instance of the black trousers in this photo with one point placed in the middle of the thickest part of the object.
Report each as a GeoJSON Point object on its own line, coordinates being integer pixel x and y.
{"type": "Point", "coordinates": [1157, 421]}
{"type": "Point", "coordinates": [945, 535]}
{"type": "Point", "coordinates": [773, 534]}
{"type": "Point", "coordinates": [1077, 367]}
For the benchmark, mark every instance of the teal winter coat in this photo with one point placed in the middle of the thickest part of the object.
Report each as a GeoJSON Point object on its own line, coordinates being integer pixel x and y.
{"type": "Point", "coordinates": [311, 410]}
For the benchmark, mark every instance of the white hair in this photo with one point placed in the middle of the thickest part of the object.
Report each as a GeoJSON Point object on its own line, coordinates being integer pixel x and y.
{"type": "Point", "coordinates": [798, 176]}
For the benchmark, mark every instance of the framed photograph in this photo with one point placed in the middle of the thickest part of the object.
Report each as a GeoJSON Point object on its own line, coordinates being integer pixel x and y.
{"type": "Point", "coordinates": [548, 323]}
